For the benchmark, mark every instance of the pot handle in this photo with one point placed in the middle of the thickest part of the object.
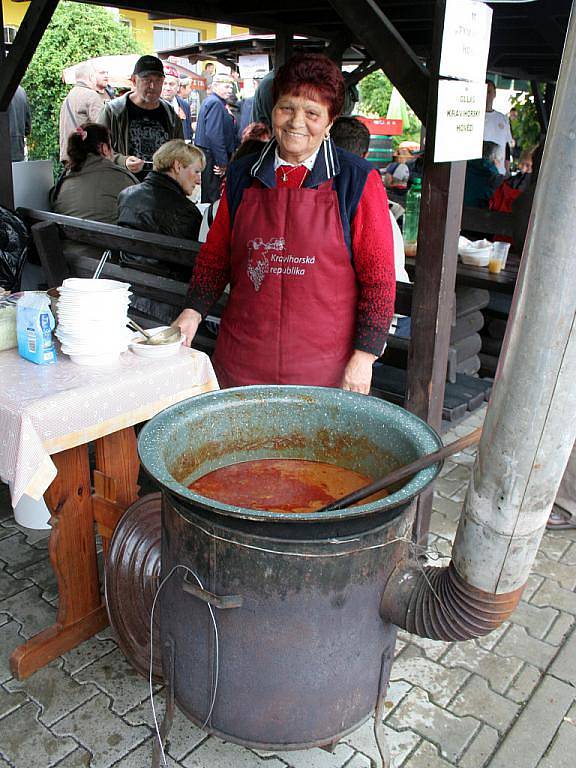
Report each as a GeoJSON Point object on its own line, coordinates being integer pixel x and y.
{"type": "Point", "coordinates": [218, 601]}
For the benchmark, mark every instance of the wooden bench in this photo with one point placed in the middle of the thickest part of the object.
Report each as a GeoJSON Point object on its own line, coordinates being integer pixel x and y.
{"type": "Point", "coordinates": [51, 232]}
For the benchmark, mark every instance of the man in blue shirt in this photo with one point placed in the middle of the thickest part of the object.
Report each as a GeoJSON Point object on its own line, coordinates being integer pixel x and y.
{"type": "Point", "coordinates": [216, 136]}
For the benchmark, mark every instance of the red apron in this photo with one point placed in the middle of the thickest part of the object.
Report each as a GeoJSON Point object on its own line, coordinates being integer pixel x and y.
{"type": "Point", "coordinates": [291, 315]}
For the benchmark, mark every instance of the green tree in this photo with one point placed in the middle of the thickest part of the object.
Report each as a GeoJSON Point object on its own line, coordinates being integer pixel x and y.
{"type": "Point", "coordinates": [375, 91]}
{"type": "Point", "coordinates": [76, 32]}
{"type": "Point", "coordinates": [526, 128]}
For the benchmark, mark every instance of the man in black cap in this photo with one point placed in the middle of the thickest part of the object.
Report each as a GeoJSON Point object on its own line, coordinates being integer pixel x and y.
{"type": "Point", "coordinates": [140, 122]}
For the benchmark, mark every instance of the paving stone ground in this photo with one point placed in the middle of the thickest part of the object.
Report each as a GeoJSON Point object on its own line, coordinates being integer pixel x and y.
{"type": "Point", "coordinates": [504, 701]}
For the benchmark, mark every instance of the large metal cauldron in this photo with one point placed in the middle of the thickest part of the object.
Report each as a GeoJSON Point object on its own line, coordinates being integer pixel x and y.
{"type": "Point", "coordinates": [302, 655]}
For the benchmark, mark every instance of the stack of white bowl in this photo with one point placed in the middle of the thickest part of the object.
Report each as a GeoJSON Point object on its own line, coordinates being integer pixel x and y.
{"type": "Point", "coordinates": [92, 316]}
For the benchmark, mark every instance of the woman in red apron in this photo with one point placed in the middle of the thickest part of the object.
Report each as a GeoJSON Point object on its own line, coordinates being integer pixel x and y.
{"type": "Point", "coordinates": [303, 236]}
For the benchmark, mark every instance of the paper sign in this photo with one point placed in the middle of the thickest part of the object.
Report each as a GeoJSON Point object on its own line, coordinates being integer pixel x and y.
{"type": "Point", "coordinates": [466, 40]}
{"type": "Point", "coordinates": [253, 65]}
{"type": "Point", "coordinates": [460, 121]}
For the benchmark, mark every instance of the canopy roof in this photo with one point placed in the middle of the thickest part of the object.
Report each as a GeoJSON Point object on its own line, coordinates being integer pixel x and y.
{"type": "Point", "coordinates": [227, 49]}
{"type": "Point", "coordinates": [527, 37]}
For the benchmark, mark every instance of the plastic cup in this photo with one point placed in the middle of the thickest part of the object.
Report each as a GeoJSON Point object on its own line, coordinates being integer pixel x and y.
{"type": "Point", "coordinates": [498, 256]}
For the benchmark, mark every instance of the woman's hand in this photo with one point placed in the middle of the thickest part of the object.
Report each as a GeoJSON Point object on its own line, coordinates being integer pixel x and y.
{"type": "Point", "coordinates": [188, 321]}
{"type": "Point", "coordinates": [358, 372]}
{"type": "Point", "coordinates": [134, 164]}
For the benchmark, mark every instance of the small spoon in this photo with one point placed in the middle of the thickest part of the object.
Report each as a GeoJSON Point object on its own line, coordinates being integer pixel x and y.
{"type": "Point", "coordinates": [162, 337]}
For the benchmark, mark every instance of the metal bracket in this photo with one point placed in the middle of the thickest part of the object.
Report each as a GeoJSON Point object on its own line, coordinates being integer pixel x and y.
{"type": "Point", "coordinates": [218, 601]}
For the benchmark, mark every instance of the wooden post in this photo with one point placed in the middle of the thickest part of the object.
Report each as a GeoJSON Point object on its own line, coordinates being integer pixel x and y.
{"type": "Point", "coordinates": [282, 49]}
{"type": "Point", "coordinates": [6, 186]}
{"type": "Point", "coordinates": [435, 275]}
{"type": "Point", "coordinates": [541, 111]}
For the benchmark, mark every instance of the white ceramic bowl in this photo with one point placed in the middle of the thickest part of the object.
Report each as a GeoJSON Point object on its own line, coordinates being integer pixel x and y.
{"type": "Point", "coordinates": [477, 258]}
{"type": "Point", "coordinates": [74, 284]}
{"type": "Point", "coordinates": [108, 358]}
{"type": "Point", "coordinates": [155, 351]}
{"type": "Point", "coordinates": [474, 253]}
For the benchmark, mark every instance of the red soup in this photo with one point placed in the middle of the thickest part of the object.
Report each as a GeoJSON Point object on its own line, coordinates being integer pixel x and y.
{"type": "Point", "coordinates": [280, 485]}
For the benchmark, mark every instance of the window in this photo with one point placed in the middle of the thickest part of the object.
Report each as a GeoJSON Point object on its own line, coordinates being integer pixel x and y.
{"type": "Point", "coordinates": [173, 37]}
{"type": "Point", "coordinates": [10, 34]}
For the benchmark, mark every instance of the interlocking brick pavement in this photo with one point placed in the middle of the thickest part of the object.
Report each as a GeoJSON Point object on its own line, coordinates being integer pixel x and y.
{"type": "Point", "coordinates": [508, 699]}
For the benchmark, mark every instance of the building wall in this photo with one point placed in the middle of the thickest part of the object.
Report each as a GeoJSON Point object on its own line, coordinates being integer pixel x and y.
{"type": "Point", "coordinates": [142, 26]}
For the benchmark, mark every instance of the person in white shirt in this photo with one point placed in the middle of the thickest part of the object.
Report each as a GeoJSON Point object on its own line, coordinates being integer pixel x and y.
{"type": "Point", "coordinates": [497, 129]}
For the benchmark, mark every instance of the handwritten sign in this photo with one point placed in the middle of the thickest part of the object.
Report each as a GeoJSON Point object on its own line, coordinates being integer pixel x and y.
{"type": "Point", "coordinates": [460, 121]}
{"type": "Point", "coordinates": [466, 40]}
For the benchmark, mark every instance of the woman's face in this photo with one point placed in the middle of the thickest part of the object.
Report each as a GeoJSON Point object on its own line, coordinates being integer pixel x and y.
{"type": "Point", "coordinates": [300, 124]}
{"type": "Point", "coordinates": [187, 176]}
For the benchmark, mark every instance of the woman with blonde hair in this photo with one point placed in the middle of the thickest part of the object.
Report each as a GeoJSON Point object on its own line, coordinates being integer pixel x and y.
{"type": "Point", "coordinates": [160, 203]}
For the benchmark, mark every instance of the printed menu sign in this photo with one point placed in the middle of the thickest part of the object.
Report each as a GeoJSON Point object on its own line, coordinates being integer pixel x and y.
{"type": "Point", "coordinates": [466, 40]}
{"type": "Point", "coordinates": [460, 121]}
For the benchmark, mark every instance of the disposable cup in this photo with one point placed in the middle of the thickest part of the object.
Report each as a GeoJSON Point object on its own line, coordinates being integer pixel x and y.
{"type": "Point", "coordinates": [498, 256]}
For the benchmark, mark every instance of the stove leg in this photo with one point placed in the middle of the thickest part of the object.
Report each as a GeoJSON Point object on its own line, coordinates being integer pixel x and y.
{"type": "Point", "coordinates": [168, 719]}
{"type": "Point", "coordinates": [379, 735]}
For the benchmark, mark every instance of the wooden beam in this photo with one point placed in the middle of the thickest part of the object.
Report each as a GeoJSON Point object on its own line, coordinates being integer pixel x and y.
{"type": "Point", "coordinates": [435, 277]}
{"type": "Point", "coordinates": [390, 51]}
{"type": "Point", "coordinates": [29, 34]}
{"type": "Point", "coordinates": [353, 78]}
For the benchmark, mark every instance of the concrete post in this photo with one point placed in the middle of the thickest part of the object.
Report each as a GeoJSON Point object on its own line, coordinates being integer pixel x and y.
{"type": "Point", "coordinates": [531, 421]}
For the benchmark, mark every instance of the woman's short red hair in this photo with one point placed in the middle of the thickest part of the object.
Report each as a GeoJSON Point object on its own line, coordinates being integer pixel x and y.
{"type": "Point", "coordinates": [313, 76]}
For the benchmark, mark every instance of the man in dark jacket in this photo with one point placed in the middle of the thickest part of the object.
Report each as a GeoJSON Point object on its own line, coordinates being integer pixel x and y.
{"type": "Point", "coordinates": [20, 123]}
{"type": "Point", "coordinates": [140, 122]}
{"type": "Point", "coordinates": [216, 135]}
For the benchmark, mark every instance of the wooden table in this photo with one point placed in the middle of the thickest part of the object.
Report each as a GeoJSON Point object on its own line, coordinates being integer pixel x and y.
{"type": "Point", "coordinates": [72, 546]}
{"type": "Point", "coordinates": [480, 277]}
{"type": "Point", "coordinates": [48, 416]}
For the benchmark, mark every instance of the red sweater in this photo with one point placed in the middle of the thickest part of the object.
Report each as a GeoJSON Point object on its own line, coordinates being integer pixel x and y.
{"type": "Point", "coordinates": [373, 261]}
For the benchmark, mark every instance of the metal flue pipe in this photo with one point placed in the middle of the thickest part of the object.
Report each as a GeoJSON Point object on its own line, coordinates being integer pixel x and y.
{"type": "Point", "coordinates": [530, 425]}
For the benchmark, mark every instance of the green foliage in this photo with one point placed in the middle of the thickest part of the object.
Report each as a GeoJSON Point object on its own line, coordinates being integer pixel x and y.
{"type": "Point", "coordinates": [77, 32]}
{"type": "Point", "coordinates": [375, 93]}
{"type": "Point", "coordinates": [526, 128]}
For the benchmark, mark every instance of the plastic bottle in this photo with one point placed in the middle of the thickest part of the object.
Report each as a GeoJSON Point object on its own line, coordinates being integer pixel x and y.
{"type": "Point", "coordinates": [412, 214]}
{"type": "Point", "coordinates": [34, 326]}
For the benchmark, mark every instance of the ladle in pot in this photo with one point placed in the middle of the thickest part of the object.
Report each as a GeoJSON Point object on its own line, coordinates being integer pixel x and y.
{"type": "Point", "coordinates": [162, 337]}
{"type": "Point", "coordinates": [403, 473]}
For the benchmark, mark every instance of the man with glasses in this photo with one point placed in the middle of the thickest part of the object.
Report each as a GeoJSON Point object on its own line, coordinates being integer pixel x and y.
{"type": "Point", "coordinates": [140, 122]}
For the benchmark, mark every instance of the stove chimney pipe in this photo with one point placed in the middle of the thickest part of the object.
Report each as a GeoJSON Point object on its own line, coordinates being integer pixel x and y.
{"type": "Point", "coordinates": [530, 425]}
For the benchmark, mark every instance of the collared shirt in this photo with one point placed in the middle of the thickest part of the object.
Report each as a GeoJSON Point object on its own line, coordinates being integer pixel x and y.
{"type": "Point", "coordinates": [308, 163]}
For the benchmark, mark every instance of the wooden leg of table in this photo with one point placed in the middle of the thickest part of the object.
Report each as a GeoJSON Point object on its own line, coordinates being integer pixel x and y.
{"type": "Point", "coordinates": [115, 480]}
{"type": "Point", "coordinates": [72, 550]}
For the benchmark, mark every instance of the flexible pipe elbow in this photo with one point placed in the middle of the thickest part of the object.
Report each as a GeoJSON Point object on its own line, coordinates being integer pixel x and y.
{"type": "Point", "coordinates": [439, 604]}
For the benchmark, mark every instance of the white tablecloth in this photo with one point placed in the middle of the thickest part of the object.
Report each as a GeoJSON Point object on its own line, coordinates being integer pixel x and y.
{"type": "Point", "coordinates": [45, 409]}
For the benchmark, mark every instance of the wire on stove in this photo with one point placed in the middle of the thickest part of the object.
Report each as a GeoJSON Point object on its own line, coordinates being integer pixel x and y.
{"type": "Point", "coordinates": [217, 658]}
